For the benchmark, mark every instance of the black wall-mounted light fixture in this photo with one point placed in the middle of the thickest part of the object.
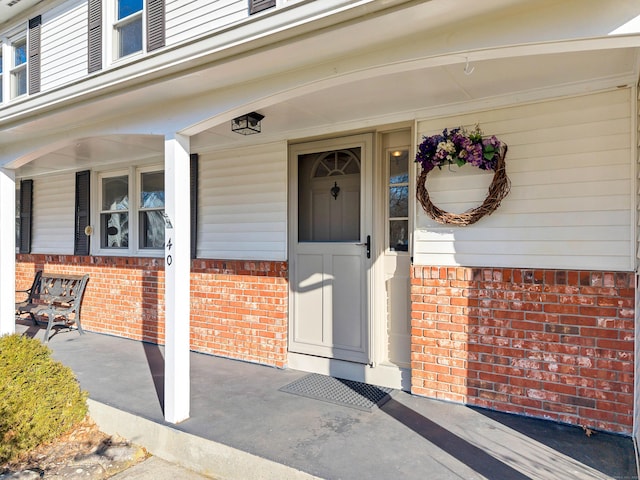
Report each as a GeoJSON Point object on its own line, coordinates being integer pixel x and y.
{"type": "Point", "coordinates": [335, 190]}
{"type": "Point", "coordinates": [247, 124]}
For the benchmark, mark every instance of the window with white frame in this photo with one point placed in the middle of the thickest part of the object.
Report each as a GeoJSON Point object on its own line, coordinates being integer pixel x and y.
{"type": "Point", "coordinates": [132, 226]}
{"type": "Point", "coordinates": [18, 71]}
{"type": "Point", "coordinates": [151, 218]}
{"type": "Point", "coordinates": [114, 211]}
{"type": "Point", "coordinates": [128, 27]}
{"type": "Point", "coordinates": [398, 199]}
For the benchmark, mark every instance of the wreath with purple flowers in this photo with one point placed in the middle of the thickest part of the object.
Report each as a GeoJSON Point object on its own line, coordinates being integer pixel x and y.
{"type": "Point", "coordinates": [459, 147]}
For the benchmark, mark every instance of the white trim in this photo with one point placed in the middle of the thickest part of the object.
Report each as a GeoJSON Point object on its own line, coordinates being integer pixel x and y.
{"type": "Point", "coordinates": [111, 25]}
{"type": "Point", "coordinates": [177, 279]}
{"type": "Point", "coordinates": [7, 251]}
{"type": "Point", "coordinates": [133, 174]}
{"type": "Point", "coordinates": [22, 68]}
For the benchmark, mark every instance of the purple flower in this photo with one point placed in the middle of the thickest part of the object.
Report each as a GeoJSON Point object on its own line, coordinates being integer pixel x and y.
{"type": "Point", "coordinates": [457, 146]}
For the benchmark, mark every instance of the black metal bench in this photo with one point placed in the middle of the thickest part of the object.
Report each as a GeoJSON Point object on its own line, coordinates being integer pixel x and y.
{"type": "Point", "coordinates": [56, 296]}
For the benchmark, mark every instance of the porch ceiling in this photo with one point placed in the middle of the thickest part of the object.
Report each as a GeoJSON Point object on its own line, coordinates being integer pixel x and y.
{"type": "Point", "coordinates": [369, 101]}
{"type": "Point", "coordinates": [433, 91]}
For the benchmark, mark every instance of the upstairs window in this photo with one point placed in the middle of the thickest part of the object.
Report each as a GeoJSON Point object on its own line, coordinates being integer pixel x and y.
{"type": "Point", "coordinates": [19, 67]}
{"type": "Point", "coordinates": [127, 28]}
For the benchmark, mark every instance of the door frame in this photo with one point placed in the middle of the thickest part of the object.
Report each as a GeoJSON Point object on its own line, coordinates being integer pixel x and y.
{"type": "Point", "coordinates": [367, 225]}
{"type": "Point", "coordinates": [377, 372]}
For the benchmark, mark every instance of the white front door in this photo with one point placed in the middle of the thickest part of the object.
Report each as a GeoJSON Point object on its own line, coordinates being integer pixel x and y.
{"type": "Point", "coordinates": [330, 243]}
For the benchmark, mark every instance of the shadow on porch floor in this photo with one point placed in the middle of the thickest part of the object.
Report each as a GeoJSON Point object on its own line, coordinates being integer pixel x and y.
{"type": "Point", "coordinates": [239, 405]}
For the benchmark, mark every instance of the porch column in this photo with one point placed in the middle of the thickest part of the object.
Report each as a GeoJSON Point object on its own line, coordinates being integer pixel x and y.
{"type": "Point", "coordinates": [177, 279]}
{"type": "Point", "coordinates": [7, 251]}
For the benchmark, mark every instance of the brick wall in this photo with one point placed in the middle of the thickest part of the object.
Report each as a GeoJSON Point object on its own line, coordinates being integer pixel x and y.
{"type": "Point", "coordinates": [546, 343]}
{"type": "Point", "coordinates": [238, 308]}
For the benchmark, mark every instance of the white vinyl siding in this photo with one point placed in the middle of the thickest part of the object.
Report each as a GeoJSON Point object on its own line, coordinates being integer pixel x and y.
{"type": "Point", "coordinates": [53, 214]}
{"type": "Point", "coordinates": [571, 202]}
{"type": "Point", "coordinates": [242, 209]}
{"type": "Point", "coordinates": [64, 44]}
{"type": "Point", "coordinates": [189, 19]}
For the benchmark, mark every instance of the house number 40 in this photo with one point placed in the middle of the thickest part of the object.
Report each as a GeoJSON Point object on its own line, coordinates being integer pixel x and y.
{"type": "Point", "coordinates": [169, 258]}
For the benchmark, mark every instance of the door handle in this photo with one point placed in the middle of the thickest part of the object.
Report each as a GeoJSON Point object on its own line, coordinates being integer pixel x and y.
{"type": "Point", "coordinates": [367, 244]}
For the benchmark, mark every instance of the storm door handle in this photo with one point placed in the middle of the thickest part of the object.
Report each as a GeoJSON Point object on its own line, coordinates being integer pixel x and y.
{"type": "Point", "coordinates": [367, 244]}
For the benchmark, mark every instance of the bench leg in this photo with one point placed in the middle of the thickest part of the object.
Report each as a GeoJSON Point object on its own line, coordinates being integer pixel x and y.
{"type": "Point", "coordinates": [50, 318]}
{"type": "Point", "coordinates": [77, 320]}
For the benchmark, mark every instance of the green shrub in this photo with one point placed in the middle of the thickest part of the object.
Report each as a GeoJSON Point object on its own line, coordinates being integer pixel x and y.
{"type": "Point", "coordinates": [40, 399]}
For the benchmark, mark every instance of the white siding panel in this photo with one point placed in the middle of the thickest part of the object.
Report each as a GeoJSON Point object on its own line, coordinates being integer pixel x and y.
{"type": "Point", "coordinates": [188, 19]}
{"type": "Point", "coordinates": [64, 44]}
{"type": "Point", "coordinates": [242, 205]}
{"type": "Point", "coordinates": [53, 214]}
{"type": "Point", "coordinates": [570, 162]}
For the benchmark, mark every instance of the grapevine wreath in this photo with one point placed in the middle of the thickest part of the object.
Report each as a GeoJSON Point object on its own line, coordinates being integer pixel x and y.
{"type": "Point", "coordinates": [459, 147]}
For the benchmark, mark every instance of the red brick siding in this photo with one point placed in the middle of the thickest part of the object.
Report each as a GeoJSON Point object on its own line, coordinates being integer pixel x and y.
{"type": "Point", "coordinates": [546, 343]}
{"type": "Point", "coordinates": [238, 308]}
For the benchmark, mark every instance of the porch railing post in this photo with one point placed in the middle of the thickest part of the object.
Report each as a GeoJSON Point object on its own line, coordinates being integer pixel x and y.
{"type": "Point", "coordinates": [7, 251]}
{"type": "Point", "coordinates": [177, 278]}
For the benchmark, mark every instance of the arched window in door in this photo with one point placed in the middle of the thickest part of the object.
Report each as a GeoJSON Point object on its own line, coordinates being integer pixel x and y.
{"type": "Point", "coordinates": [329, 196]}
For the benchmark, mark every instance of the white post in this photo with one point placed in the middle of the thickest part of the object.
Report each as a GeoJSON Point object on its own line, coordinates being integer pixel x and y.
{"type": "Point", "coordinates": [177, 279]}
{"type": "Point", "coordinates": [7, 251]}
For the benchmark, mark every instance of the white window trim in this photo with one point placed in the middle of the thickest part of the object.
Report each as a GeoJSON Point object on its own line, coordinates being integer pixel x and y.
{"type": "Point", "coordinates": [111, 15]}
{"type": "Point", "coordinates": [134, 175]}
{"type": "Point", "coordinates": [139, 208]}
{"type": "Point", "coordinates": [7, 40]}
{"type": "Point", "coordinates": [388, 185]}
{"type": "Point", "coordinates": [20, 37]}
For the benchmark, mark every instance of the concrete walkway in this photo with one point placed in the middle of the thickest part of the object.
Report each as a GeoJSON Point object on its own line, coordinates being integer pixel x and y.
{"type": "Point", "coordinates": [243, 427]}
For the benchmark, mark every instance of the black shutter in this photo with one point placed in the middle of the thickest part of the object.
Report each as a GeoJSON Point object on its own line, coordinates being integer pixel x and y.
{"type": "Point", "coordinates": [194, 204]}
{"type": "Point", "coordinates": [26, 209]}
{"type": "Point", "coordinates": [95, 36]}
{"type": "Point", "coordinates": [34, 54]}
{"type": "Point", "coordinates": [155, 24]}
{"type": "Point", "coordinates": [81, 240]}
{"type": "Point", "coordinates": [256, 6]}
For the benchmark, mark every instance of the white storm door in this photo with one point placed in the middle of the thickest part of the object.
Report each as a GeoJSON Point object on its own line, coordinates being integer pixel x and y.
{"type": "Point", "coordinates": [330, 243]}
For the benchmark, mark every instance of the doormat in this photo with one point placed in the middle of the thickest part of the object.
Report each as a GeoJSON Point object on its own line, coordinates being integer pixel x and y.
{"type": "Point", "coordinates": [339, 391]}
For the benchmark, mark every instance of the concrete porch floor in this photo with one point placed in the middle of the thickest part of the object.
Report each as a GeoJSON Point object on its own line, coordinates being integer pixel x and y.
{"type": "Point", "coordinates": [242, 426]}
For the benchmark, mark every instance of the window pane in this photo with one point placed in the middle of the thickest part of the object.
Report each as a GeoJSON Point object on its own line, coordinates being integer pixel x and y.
{"type": "Point", "coordinates": [399, 235]}
{"type": "Point", "coordinates": [19, 82]}
{"type": "Point", "coordinates": [115, 193]}
{"type": "Point", "coordinates": [129, 37]}
{"type": "Point", "coordinates": [152, 194]}
{"type": "Point", "coordinates": [398, 202]}
{"type": "Point", "coordinates": [115, 230]}
{"type": "Point", "coordinates": [399, 166]}
{"type": "Point", "coordinates": [128, 7]}
{"type": "Point", "coordinates": [151, 229]}
{"type": "Point", "coordinates": [19, 53]}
